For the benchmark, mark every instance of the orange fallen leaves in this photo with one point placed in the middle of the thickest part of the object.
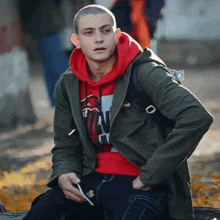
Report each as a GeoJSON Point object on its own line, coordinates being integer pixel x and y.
{"type": "Point", "coordinates": [19, 189]}
{"type": "Point", "coordinates": [206, 194]}
{"type": "Point", "coordinates": [215, 176]}
{"type": "Point", "coordinates": [196, 177]}
{"type": "Point", "coordinates": [20, 199]}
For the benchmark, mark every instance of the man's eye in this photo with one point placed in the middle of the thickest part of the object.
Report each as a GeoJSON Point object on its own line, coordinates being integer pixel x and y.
{"type": "Point", "coordinates": [106, 31]}
{"type": "Point", "coordinates": [88, 33]}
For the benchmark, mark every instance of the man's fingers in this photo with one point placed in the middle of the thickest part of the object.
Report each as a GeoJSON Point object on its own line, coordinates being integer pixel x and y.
{"type": "Point", "coordinates": [73, 190]}
{"type": "Point", "coordinates": [137, 184]}
{"type": "Point", "coordinates": [76, 191]}
{"type": "Point", "coordinates": [90, 194]}
{"type": "Point", "coordinates": [67, 182]}
{"type": "Point", "coordinates": [74, 197]}
{"type": "Point", "coordinates": [73, 178]}
{"type": "Point", "coordinates": [146, 188]}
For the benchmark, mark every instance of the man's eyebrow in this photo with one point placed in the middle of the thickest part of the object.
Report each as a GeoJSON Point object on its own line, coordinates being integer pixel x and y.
{"type": "Point", "coordinates": [85, 29]}
{"type": "Point", "coordinates": [106, 25]}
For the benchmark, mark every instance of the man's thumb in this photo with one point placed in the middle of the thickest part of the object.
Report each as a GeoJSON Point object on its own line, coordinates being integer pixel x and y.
{"type": "Point", "coordinates": [73, 178]}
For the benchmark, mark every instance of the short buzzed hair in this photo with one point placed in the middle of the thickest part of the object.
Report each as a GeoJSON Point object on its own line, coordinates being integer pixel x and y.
{"type": "Point", "coordinates": [92, 10]}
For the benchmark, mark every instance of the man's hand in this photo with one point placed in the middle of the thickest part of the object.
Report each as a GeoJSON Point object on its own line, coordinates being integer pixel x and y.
{"type": "Point", "coordinates": [67, 183]}
{"type": "Point", "coordinates": [137, 184]}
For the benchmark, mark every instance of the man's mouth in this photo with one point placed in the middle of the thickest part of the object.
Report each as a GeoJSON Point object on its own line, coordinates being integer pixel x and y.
{"type": "Point", "coordinates": [100, 49]}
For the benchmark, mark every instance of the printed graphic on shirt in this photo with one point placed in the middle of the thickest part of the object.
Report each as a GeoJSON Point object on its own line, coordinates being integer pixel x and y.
{"type": "Point", "coordinates": [97, 120]}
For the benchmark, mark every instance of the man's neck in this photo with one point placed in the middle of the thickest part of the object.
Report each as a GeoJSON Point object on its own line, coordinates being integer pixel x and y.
{"type": "Point", "coordinates": [99, 69]}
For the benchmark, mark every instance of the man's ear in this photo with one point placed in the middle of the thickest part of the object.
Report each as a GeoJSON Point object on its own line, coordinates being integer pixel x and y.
{"type": "Point", "coordinates": [75, 40]}
{"type": "Point", "coordinates": [117, 34]}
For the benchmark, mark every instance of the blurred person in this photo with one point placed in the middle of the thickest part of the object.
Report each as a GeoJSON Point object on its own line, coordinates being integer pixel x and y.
{"type": "Point", "coordinates": [131, 18]}
{"type": "Point", "coordinates": [112, 159]}
{"type": "Point", "coordinates": [153, 14]}
{"type": "Point", "coordinates": [43, 20]}
{"type": "Point", "coordinates": [138, 18]}
{"type": "Point", "coordinates": [71, 7]}
{"type": "Point", "coordinates": [141, 30]}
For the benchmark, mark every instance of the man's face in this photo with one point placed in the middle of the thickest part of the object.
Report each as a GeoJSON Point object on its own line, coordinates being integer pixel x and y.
{"type": "Point", "coordinates": [97, 37]}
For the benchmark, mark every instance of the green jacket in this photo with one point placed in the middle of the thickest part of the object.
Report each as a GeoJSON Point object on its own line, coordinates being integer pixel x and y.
{"type": "Point", "coordinates": [133, 132]}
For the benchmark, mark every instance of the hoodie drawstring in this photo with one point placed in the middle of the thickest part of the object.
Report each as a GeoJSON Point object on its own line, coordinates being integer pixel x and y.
{"type": "Point", "coordinates": [100, 99]}
{"type": "Point", "coordinates": [86, 94]}
{"type": "Point", "coordinates": [100, 96]}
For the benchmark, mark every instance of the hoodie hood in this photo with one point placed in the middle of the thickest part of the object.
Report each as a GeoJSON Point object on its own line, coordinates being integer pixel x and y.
{"type": "Point", "coordinates": [127, 50]}
{"type": "Point", "coordinates": [148, 56]}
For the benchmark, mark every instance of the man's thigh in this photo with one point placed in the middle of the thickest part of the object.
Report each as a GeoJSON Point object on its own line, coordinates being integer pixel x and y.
{"type": "Point", "coordinates": [121, 201]}
{"type": "Point", "coordinates": [53, 205]}
{"type": "Point", "coordinates": [49, 205]}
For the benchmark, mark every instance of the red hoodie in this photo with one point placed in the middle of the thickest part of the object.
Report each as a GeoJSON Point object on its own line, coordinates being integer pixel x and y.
{"type": "Point", "coordinates": [96, 102]}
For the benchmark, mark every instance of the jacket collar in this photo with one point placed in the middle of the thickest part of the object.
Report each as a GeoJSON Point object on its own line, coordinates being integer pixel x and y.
{"type": "Point", "coordinates": [119, 95]}
{"type": "Point", "coordinates": [72, 84]}
{"type": "Point", "coordinates": [121, 88]}
{"type": "Point", "coordinates": [120, 91]}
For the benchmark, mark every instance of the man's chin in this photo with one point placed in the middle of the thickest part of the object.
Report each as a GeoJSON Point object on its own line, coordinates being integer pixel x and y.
{"type": "Point", "coordinates": [100, 59]}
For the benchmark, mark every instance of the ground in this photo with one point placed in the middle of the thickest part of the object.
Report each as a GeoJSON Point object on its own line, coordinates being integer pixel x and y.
{"type": "Point", "coordinates": [26, 151]}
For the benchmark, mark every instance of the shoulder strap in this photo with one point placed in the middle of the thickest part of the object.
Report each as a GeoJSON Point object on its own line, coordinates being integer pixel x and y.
{"type": "Point", "coordinates": [143, 101]}
{"type": "Point", "coordinates": [138, 97]}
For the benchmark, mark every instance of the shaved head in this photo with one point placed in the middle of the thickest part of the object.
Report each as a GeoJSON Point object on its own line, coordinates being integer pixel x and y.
{"type": "Point", "coordinates": [92, 10]}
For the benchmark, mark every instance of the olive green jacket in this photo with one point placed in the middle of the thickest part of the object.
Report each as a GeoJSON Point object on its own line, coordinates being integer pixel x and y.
{"type": "Point", "coordinates": [133, 132]}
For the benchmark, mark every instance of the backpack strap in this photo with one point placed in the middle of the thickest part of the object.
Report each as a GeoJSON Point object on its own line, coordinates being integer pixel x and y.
{"type": "Point", "coordinates": [143, 102]}
{"type": "Point", "coordinates": [141, 99]}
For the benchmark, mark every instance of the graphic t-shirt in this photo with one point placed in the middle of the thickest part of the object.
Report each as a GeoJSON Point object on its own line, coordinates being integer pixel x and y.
{"type": "Point", "coordinates": [96, 108]}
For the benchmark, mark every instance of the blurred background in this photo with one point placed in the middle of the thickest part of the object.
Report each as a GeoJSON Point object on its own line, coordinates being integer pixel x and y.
{"type": "Point", "coordinates": [34, 50]}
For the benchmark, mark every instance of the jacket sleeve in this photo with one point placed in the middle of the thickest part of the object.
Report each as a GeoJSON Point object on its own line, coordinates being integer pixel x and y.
{"type": "Point", "coordinates": [67, 152]}
{"type": "Point", "coordinates": [191, 118]}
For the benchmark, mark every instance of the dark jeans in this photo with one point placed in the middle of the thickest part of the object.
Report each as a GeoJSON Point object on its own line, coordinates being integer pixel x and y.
{"type": "Point", "coordinates": [54, 61]}
{"type": "Point", "coordinates": [115, 199]}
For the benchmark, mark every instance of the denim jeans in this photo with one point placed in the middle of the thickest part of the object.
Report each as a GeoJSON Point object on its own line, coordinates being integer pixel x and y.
{"type": "Point", "coordinates": [54, 61]}
{"type": "Point", "coordinates": [115, 199]}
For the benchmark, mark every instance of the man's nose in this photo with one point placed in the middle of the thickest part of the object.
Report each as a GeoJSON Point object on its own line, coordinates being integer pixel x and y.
{"type": "Point", "coordinates": [99, 37]}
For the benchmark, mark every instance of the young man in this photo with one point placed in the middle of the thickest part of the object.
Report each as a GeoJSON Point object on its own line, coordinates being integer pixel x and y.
{"type": "Point", "coordinates": [106, 145]}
